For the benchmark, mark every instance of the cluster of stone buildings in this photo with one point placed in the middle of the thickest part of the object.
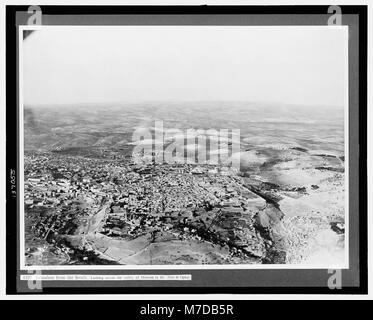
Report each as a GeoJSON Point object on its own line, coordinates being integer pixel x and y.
{"type": "Point", "coordinates": [191, 201]}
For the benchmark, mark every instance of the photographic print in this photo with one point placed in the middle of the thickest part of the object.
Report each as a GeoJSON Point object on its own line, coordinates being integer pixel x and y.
{"type": "Point", "coordinates": [184, 146]}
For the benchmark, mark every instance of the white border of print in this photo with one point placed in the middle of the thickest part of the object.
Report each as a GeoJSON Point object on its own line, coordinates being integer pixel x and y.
{"type": "Point", "coordinates": [172, 267]}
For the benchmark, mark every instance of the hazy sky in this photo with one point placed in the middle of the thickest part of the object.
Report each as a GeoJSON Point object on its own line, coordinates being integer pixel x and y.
{"type": "Point", "coordinates": [295, 65]}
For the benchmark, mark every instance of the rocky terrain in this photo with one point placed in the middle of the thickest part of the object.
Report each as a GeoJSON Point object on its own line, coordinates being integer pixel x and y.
{"type": "Point", "coordinates": [88, 202]}
{"type": "Point", "coordinates": [176, 214]}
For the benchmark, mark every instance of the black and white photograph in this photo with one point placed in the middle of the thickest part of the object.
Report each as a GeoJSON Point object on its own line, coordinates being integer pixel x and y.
{"type": "Point", "coordinates": [186, 145]}
{"type": "Point", "coordinates": [186, 149]}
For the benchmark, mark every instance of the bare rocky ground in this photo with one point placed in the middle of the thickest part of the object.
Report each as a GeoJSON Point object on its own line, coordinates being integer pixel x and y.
{"type": "Point", "coordinates": [310, 191]}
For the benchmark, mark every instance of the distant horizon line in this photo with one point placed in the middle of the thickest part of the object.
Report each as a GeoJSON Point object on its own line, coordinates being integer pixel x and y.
{"type": "Point", "coordinates": [131, 102]}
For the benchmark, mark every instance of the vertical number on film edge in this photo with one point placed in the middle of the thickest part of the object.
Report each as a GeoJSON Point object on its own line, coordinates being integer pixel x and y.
{"type": "Point", "coordinates": [34, 282]}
